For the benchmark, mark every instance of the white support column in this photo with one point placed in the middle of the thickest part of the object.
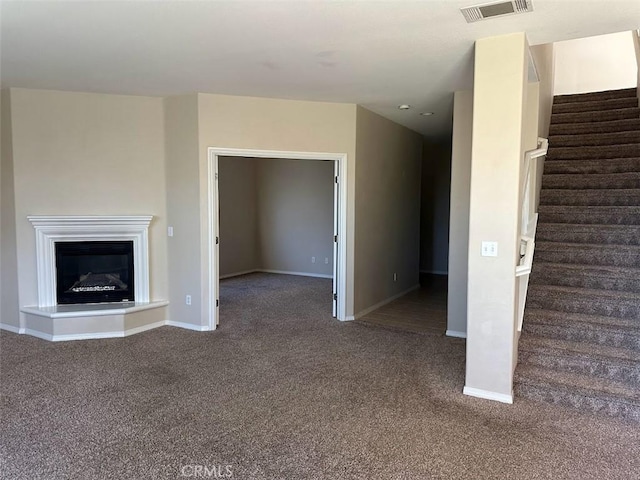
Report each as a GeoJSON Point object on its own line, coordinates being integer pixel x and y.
{"type": "Point", "coordinates": [498, 118]}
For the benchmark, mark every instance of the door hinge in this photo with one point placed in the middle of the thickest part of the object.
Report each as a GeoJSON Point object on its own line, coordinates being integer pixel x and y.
{"type": "Point", "coordinates": [336, 179]}
{"type": "Point", "coordinates": [217, 240]}
{"type": "Point", "coordinates": [335, 296]}
{"type": "Point", "coordinates": [335, 238]}
{"type": "Point", "coordinates": [216, 175]}
{"type": "Point", "coordinates": [217, 303]}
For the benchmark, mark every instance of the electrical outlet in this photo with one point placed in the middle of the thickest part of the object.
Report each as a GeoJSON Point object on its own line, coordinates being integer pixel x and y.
{"type": "Point", "coordinates": [187, 299]}
{"type": "Point", "coordinates": [170, 231]}
{"type": "Point", "coordinates": [313, 259]}
{"type": "Point", "coordinates": [489, 249]}
{"type": "Point", "coordinates": [326, 260]}
{"type": "Point", "coordinates": [395, 277]}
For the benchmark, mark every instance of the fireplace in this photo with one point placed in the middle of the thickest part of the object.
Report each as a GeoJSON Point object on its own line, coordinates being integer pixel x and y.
{"type": "Point", "coordinates": [94, 272]}
{"type": "Point", "coordinates": [91, 259]}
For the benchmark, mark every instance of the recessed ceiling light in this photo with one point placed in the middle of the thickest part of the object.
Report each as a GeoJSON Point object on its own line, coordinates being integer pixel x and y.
{"type": "Point", "coordinates": [426, 114]}
{"type": "Point", "coordinates": [404, 106]}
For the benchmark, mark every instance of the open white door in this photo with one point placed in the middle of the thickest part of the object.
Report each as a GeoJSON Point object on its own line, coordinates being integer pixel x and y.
{"type": "Point", "coordinates": [216, 247]}
{"type": "Point", "coordinates": [336, 210]}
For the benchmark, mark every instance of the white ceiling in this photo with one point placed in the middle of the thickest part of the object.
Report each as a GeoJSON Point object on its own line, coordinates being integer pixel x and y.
{"type": "Point", "coordinates": [378, 54]}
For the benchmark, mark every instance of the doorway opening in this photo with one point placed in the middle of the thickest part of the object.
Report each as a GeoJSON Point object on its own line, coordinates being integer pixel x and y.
{"type": "Point", "coordinates": [325, 264]}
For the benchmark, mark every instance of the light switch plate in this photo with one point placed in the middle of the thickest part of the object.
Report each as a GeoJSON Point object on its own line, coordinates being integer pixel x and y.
{"type": "Point", "coordinates": [489, 249]}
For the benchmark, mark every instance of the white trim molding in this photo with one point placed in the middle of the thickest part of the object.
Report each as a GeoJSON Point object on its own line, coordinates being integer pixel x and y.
{"type": "Point", "coordinates": [61, 228]}
{"type": "Point", "coordinates": [456, 334]}
{"type": "Point", "coordinates": [487, 395]}
{"type": "Point", "coordinates": [11, 328]}
{"type": "Point", "coordinates": [345, 286]}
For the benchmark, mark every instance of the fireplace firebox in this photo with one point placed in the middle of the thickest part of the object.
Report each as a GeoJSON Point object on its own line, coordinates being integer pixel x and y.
{"type": "Point", "coordinates": [94, 272]}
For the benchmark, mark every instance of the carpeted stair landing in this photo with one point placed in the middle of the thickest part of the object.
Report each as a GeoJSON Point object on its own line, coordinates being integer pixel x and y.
{"type": "Point", "coordinates": [580, 344]}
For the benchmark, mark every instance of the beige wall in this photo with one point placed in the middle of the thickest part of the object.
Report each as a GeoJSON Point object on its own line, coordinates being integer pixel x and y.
{"type": "Point", "coordinates": [543, 57]}
{"type": "Point", "coordinates": [388, 162]}
{"type": "Point", "coordinates": [605, 62]}
{"type": "Point", "coordinates": [434, 208]}
{"type": "Point", "coordinates": [238, 192]}
{"type": "Point", "coordinates": [500, 77]}
{"type": "Point", "coordinates": [183, 214]}
{"type": "Point", "coordinates": [270, 124]}
{"type": "Point", "coordinates": [295, 215]}
{"type": "Point", "coordinates": [459, 213]}
{"type": "Point", "coordinates": [9, 313]}
{"type": "Point", "coordinates": [87, 154]}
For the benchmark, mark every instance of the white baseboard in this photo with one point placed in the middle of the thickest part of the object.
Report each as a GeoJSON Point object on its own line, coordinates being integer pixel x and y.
{"type": "Point", "coordinates": [435, 272]}
{"type": "Point", "coordinates": [384, 302]}
{"type": "Point", "coordinates": [188, 326]}
{"type": "Point", "coordinates": [281, 272]}
{"type": "Point", "coordinates": [11, 328]}
{"type": "Point", "coordinates": [237, 274]}
{"type": "Point", "coordinates": [93, 336]}
{"type": "Point", "coordinates": [302, 274]}
{"type": "Point", "coordinates": [454, 333]}
{"type": "Point", "coordinates": [479, 393]}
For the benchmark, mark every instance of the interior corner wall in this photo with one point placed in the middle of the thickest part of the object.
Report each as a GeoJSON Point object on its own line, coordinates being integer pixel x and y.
{"type": "Point", "coordinates": [388, 164]}
{"type": "Point", "coordinates": [87, 154]}
{"type": "Point", "coordinates": [279, 125]}
{"type": "Point", "coordinates": [459, 213]}
{"type": "Point", "coordinates": [183, 208]}
{"type": "Point", "coordinates": [500, 88]}
{"type": "Point", "coordinates": [295, 215]}
{"type": "Point", "coordinates": [9, 300]}
{"type": "Point", "coordinates": [543, 57]}
{"type": "Point", "coordinates": [434, 208]}
{"type": "Point", "coordinates": [605, 62]}
{"type": "Point", "coordinates": [237, 191]}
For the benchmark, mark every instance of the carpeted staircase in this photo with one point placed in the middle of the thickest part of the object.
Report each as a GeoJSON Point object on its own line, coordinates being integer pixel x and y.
{"type": "Point", "coordinates": [580, 344]}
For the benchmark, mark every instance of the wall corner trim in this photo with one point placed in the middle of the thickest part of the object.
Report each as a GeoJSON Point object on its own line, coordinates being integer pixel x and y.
{"type": "Point", "coordinates": [487, 395]}
{"type": "Point", "coordinates": [456, 334]}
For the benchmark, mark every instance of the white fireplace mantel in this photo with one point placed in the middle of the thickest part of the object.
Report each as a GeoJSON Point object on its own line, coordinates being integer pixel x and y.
{"type": "Point", "coordinates": [61, 228]}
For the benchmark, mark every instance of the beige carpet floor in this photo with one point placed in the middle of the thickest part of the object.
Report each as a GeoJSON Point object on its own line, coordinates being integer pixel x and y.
{"type": "Point", "coordinates": [282, 391]}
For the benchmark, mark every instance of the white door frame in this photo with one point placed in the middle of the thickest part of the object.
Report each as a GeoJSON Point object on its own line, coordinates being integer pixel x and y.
{"type": "Point", "coordinates": [213, 221]}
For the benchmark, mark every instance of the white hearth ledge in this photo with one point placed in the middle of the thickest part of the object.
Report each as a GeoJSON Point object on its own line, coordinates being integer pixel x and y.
{"type": "Point", "coordinates": [83, 322]}
{"type": "Point", "coordinates": [92, 310]}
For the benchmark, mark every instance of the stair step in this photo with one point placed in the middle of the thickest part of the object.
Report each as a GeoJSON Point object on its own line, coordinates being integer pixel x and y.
{"type": "Point", "coordinates": [603, 277]}
{"type": "Point", "coordinates": [595, 105]}
{"type": "Point", "coordinates": [582, 392]}
{"type": "Point", "coordinates": [594, 127]}
{"type": "Point", "coordinates": [595, 96]}
{"type": "Point", "coordinates": [593, 139]}
{"type": "Point", "coordinates": [582, 300]}
{"type": "Point", "coordinates": [611, 165]}
{"type": "Point", "coordinates": [614, 364]}
{"type": "Point", "coordinates": [591, 196]}
{"type": "Point", "coordinates": [601, 335]}
{"type": "Point", "coordinates": [602, 215]}
{"type": "Point", "coordinates": [603, 116]}
{"type": "Point", "coordinates": [594, 151]}
{"type": "Point", "coordinates": [626, 180]}
{"type": "Point", "coordinates": [588, 234]}
{"type": "Point", "coordinates": [536, 315]}
{"type": "Point", "coordinates": [627, 256]}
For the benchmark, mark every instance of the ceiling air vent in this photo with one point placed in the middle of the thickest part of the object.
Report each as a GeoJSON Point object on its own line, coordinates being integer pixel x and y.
{"type": "Point", "coordinates": [496, 9]}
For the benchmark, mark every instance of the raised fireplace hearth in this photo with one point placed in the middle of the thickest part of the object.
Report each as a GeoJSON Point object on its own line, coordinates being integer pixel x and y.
{"type": "Point", "coordinates": [93, 278]}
